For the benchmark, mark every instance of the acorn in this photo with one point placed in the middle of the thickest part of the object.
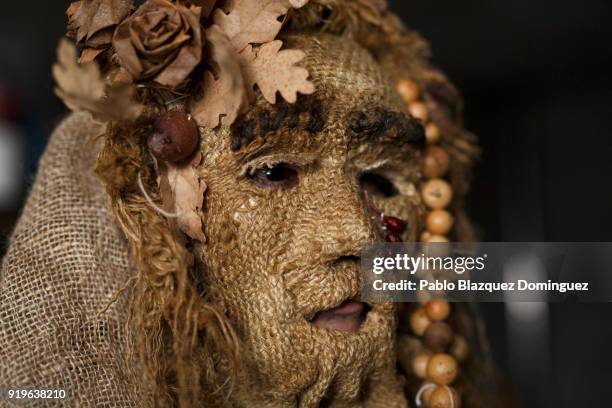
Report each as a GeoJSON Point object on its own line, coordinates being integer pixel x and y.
{"type": "Point", "coordinates": [175, 136]}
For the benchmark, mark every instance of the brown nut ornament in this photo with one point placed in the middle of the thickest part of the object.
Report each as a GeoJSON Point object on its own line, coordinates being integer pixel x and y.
{"type": "Point", "coordinates": [444, 397]}
{"type": "Point", "coordinates": [408, 90]}
{"type": "Point", "coordinates": [442, 369]}
{"type": "Point", "coordinates": [428, 388]}
{"type": "Point", "coordinates": [175, 136]}
{"type": "Point", "coordinates": [460, 348]}
{"type": "Point", "coordinates": [437, 309]}
{"type": "Point", "coordinates": [437, 193]}
{"type": "Point", "coordinates": [420, 362]}
{"type": "Point", "coordinates": [435, 162]}
{"type": "Point", "coordinates": [438, 336]}
{"type": "Point", "coordinates": [419, 321]}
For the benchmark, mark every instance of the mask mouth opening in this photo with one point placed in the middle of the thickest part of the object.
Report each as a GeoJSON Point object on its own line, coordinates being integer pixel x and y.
{"type": "Point", "coordinates": [346, 317]}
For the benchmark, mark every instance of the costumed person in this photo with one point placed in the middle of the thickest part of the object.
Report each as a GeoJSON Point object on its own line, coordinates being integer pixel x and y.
{"type": "Point", "coordinates": [193, 236]}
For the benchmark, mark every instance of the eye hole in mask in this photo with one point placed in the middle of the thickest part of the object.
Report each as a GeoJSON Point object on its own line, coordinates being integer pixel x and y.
{"type": "Point", "coordinates": [279, 175]}
{"type": "Point", "coordinates": [377, 185]}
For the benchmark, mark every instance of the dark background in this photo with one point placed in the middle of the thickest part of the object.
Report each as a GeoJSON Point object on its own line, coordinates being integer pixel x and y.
{"type": "Point", "coordinates": [536, 76]}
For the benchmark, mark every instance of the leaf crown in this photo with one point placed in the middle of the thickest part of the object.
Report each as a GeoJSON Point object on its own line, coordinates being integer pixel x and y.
{"type": "Point", "coordinates": [211, 55]}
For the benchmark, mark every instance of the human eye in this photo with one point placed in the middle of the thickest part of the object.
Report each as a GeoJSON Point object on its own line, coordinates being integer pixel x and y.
{"type": "Point", "coordinates": [278, 175]}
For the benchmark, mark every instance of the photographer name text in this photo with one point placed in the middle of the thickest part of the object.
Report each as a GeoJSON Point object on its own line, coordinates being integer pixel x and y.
{"type": "Point", "coordinates": [471, 286]}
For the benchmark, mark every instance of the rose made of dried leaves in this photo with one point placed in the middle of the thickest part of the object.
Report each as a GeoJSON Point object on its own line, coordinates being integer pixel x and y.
{"type": "Point", "coordinates": [161, 41]}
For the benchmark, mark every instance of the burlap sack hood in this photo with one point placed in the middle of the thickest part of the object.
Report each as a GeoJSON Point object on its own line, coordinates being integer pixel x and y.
{"type": "Point", "coordinates": [102, 295]}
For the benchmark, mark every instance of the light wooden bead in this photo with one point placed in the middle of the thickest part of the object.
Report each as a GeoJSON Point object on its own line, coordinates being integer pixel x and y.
{"type": "Point", "coordinates": [419, 364]}
{"type": "Point", "coordinates": [419, 111]}
{"type": "Point", "coordinates": [437, 238]}
{"type": "Point", "coordinates": [442, 369]}
{"type": "Point", "coordinates": [425, 236]}
{"type": "Point", "coordinates": [432, 134]}
{"type": "Point", "coordinates": [436, 193]}
{"type": "Point", "coordinates": [444, 397]}
{"type": "Point", "coordinates": [435, 162]}
{"type": "Point", "coordinates": [460, 348]}
{"type": "Point", "coordinates": [419, 321]}
{"type": "Point", "coordinates": [439, 222]}
{"type": "Point", "coordinates": [408, 90]}
{"type": "Point", "coordinates": [437, 309]}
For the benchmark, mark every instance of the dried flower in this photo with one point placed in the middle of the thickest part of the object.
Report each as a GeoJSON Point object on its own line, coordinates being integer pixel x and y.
{"type": "Point", "coordinates": [92, 23]}
{"type": "Point", "coordinates": [161, 41]}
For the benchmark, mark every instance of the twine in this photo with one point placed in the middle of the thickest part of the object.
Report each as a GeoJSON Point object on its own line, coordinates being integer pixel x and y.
{"type": "Point", "coordinates": [151, 203]}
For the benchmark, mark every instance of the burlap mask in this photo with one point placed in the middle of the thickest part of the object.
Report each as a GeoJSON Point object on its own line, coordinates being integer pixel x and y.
{"type": "Point", "coordinates": [278, 250]}
{"type": "Point", "coordinates": [276, 254]}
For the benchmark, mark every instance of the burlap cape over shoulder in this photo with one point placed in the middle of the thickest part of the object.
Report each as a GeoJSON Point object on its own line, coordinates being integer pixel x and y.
{"type": "Point", "coordinates": [67, 260]}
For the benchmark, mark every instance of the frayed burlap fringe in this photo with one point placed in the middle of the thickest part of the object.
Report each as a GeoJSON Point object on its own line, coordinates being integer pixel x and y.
{"type": "Point", "coordinates": [173, 331]}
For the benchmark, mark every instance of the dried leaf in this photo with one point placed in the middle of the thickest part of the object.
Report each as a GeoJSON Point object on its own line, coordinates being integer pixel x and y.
{"type": "Point", "coordinates": [76, 83]}
{"type": "Point", "coordinates": [188, 196]}
{"type": "Point", "coordinates": [273, 70]}
{"type": "Point", "coordinates": [87, 17]}
{"type": "Point", "coordinates": [224, 96]}
{"type": "Point", "coordinates": [207, 6]}
{"type": "Point", "coordinates": [82, 87]}
{"type": "Point", "coordinates": [253, 21]}
{"type": "Point", "coordinates": [90, 54]}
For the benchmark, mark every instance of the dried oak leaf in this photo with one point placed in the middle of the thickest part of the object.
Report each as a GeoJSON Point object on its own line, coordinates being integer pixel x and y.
{"type": "Point", "coordinates": [207, 6]}
{"type": "Point", "coordinates": [81, 87]}
{"type": "Point", "coordinates": [253, 21]}
{"type": "Point", "coordinates": [188, 190]}
{"type": "Point", "coordinates": [273, 70]}
{"type": "Point", "coordinates": [89, 17]}
{"type": "Point", "coordinates": [224, 97]}
{"type": "Point", "coordinates": [90, 54]}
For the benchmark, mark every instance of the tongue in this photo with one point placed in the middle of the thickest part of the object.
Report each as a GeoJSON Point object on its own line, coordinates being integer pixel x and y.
{"type": "Point", "coordinates": [346, 318]}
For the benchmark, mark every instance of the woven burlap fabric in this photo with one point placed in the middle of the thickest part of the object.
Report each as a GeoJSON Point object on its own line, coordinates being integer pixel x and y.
{"type": "Point", "coordinates": [268, 252]}
{"type": "Point", "coordinates": [66, 262]}
{"type": "Point", "coordinates": [67, 258]}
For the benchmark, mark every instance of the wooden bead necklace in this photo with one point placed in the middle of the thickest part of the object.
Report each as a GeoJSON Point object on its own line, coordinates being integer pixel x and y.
{"type": "Point", "coordinates": [438, 362]}
{"type": "Point", "coordinates": [442, 350]}
{"type": "Point", "coordinates": [436, 193]}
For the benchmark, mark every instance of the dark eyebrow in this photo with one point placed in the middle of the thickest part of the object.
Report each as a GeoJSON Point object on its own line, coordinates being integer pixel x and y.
{"type": "Point", "coordinates": [379, 124]}
{"type": "Point", "coordinates": [262, 121]}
